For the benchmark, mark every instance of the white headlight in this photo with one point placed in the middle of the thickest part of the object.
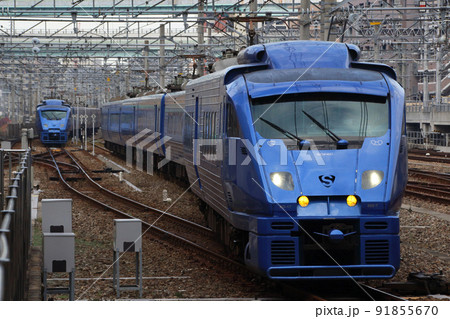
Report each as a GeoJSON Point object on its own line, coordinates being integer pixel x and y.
{"type": "Point", "coordinates": [371, 179]}
{"type": "Point", "coordinates": [283, 180]}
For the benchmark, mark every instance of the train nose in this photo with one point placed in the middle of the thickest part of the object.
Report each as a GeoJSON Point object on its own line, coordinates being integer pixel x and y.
{"type": "Point", "coordinates": [334, 175]}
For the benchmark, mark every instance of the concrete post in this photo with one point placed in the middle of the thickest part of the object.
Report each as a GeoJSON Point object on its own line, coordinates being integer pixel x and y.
{"type": "Point", "coordinates": [438, 75]}
{"type": "Point", "coordinates": [304, 21]}
{"type": "Point", "coordinates": [162, 59]}
{"type": "Point", "coordinates": [24, 138]}
{"type": "Point", "coordinates": [325, 20]}
{"type": "Point", "coordinates": [425, 68]}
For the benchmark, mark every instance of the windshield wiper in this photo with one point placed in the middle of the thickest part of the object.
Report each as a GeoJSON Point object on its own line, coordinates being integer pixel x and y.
{"type": "Point", "coordinates": [340, 142]}
{"type": "Point", "coordinates": [286, 133]}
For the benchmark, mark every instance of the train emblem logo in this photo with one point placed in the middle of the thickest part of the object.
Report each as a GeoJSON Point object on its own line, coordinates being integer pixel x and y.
{"type": "Point", "coordinates": [327, 180]}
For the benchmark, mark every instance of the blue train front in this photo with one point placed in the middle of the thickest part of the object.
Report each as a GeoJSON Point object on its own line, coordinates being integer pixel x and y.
{"type": "Point", "coordinates": [53, 122]}
{"type": "Point", "coordinates": [322, 193]}
{"type": "Point", "coordinates": [298, 154]}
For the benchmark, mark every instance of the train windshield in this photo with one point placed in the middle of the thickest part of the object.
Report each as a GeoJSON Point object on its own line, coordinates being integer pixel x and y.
{"type": "Point", "coordinates": [323, 118]}
{"type": "Point", "coordinates": [53, 115]}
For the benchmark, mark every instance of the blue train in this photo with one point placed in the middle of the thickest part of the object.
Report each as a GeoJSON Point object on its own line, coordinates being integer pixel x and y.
{"type": "Point", "coordinates": [298, 154]}
{"type": "Point", "coordinates": [55, 120]}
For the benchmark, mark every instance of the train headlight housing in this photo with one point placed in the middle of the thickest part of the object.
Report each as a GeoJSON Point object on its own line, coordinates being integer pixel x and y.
{"type": "Point", "coordinates": [282, 180]}
{"type": "Point", "coordinates": [303, 201]}
{"type": "Point", "coordinates": [352, 200]}
{"type": "Point", "coordinates": [371, 178]}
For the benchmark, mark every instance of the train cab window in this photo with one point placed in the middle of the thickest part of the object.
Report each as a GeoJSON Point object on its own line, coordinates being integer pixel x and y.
{"type": "Point", "coordinates": [323, 118]}
{"type": "Point", "coordinates": [53, 115]}
{"type": "Point", "coordinates": [232, 122]}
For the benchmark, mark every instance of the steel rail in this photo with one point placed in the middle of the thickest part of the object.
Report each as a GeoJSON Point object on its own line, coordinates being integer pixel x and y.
{"type": "Point", "coordinates": [437, 159]}
{"type": "Point", "coordinates": [439, 187]}
{"type": "Point", "coordinates": [431, 152]}
{"type": "Point", "coordinates": [440, 176]}
{"type": "Point", "coordinates": [428, 194]}
{"type": "Point", "coordinates": [185, 222]}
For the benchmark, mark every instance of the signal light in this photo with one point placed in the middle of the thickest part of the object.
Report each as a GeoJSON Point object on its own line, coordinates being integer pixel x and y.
{"type": "Point", "coordinates": [351, 200]}
{"type": "Point", "coordinates": [303, 201]}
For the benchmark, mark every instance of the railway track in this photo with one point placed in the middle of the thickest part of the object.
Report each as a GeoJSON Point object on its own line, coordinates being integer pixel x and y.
{"type": "Point", "coordinates": [122, 206]}
{"type": "Point", "coordinates": [429, 156]}
{"type": "Point", "coordinates": [161, 215]}
{"type": "Point", "coordinates": [430, 152]}
{"type": "Point", "coordinates": [429, 185]}
{"type": "Point", "coordinates": [439, 177]}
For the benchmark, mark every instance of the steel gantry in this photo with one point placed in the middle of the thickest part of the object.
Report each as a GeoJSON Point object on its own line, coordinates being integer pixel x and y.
{"type": "Point", "coordinates": [89, 51]}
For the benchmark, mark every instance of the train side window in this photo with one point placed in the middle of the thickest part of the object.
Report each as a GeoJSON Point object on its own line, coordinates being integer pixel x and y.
{"type": "Point", "coordinates": [232, 121]}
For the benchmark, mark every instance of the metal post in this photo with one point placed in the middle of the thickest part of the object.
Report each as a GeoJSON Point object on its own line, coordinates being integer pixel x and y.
{"type": "Point", "coordinates": [253, 26]}
{"type": "Point", "coordinates": [85, 131]}
{"type": "Point", "coordinates": [200, 36]}
{"type": "Point", "coordinates": [72, 285]}
{"type": "Point", "coordinates": [10, 165]}
{"type": "Point", "coordinates": [77, 129]}
{"type": "Point", "coordinates": [162, 59]}
{"type": "Point", "coordinates": [93, 134]}
{"type": "Point", "coordinates": [438, 75]}
{"type": "Point", "coordinates": [73, 127]}
{"type": "Point", "coordinates": [425, 67]}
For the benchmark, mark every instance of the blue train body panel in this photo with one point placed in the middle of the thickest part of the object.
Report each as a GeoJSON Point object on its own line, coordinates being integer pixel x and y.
{"type": "Point", "coordinates": [292, 119]}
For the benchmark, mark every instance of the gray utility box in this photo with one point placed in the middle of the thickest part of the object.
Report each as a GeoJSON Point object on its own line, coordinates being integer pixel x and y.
{"type": "Point", "coordinates": [57, 215]}
{"type": "Point", "coordinates": [59, 252]}
{"type": "Point", "coordinates": [6, 145]}
{"type": "Point", "coordinates": [127, 235]}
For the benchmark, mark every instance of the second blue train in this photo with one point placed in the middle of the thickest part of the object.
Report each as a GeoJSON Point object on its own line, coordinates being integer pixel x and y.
{"type": "Point", "coordinates": [55, 120]}
{"type": "Point", "coordinates": [298, 154]}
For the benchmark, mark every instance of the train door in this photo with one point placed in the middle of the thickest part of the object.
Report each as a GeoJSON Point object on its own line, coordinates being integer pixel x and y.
{"type": "Point", "coordinates": [233, 153]}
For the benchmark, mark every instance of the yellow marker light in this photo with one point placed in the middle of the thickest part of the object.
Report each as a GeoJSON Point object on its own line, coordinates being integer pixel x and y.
{"type": "Point", "coordinates": [351, 201]}
{"type": "Point", "coordinates": [303, 201]}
